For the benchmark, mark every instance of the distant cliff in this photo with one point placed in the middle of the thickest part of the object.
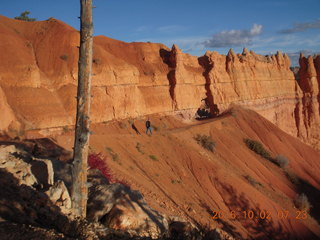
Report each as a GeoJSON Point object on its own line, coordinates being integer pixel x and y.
{"type": "Point", "coordinates": [38, 77]}
{"type": "Point", "coordinates": [307, 111]}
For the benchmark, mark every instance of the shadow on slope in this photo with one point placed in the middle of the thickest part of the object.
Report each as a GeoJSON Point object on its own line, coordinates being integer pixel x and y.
{"type": "Point", "coordinates": [313, 195]}
{"type": "Point", "coordinates": [40, 148]}
{"type": "Point", "coordinates": [226, 226]}
{"type": "Point", "coordinates": [258, 227]}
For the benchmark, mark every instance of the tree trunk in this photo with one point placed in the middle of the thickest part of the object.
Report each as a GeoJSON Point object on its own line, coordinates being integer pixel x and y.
{"type": "Point", "coordinates": [81, 143]}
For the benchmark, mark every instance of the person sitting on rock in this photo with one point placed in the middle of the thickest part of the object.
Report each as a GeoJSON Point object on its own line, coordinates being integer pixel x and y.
{"type": "Point", "coordinates": [148, 126]}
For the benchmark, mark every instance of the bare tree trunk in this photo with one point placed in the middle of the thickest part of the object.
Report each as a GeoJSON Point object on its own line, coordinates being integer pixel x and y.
{"type": "Point", "coordinates": [81, 143]}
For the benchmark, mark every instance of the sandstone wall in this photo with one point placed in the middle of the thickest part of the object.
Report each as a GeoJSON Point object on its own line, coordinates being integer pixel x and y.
{"type": "Point", "coordinates": [38, 78]}
{"type": "Point", "coordinates": [263, 83]}
{"type": "Point", "coordinates": [308, 109]}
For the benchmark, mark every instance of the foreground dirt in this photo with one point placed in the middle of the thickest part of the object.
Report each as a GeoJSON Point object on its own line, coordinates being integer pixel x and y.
{"type": "Point", "coordinates": [232, 188]}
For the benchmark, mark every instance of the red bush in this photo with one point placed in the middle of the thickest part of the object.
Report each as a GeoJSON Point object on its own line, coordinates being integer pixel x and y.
{"type": "Point", "coordinates": [98, 161]}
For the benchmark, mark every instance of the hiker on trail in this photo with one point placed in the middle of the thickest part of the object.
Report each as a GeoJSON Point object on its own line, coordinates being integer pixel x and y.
{"type": "Point", "coordinates": [148, 126]}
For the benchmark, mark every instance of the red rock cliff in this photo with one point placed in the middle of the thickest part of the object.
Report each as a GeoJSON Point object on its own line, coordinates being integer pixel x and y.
{"type": "Point", "coordinates": [308, 109]}
{"type": "Point", "coordinates": [38, 77]}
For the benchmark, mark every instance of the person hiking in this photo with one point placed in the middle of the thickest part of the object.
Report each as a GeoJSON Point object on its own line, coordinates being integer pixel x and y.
{"type": "Point", "coordinates": [148, 126]}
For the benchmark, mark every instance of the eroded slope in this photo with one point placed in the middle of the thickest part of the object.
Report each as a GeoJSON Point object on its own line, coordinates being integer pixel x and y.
{"type": "Point", "coordinates": [179, 177]}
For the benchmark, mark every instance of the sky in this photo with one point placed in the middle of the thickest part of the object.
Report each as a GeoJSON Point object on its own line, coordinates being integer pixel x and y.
{"type": "Point", "coordinates": [264, 26]}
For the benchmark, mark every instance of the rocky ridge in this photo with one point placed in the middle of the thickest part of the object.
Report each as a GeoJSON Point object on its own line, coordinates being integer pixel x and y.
{"type": "Point", "coordinates": [38, 77]}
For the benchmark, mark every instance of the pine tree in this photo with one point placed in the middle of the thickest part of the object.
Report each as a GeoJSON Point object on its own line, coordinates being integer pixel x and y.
{"type": "Point", "coordinates": [24, 17]}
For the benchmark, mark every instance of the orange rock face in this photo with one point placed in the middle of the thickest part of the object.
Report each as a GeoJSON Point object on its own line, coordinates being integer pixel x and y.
{"type": "Point", "coordinates": [38, 78]}
{"type": "Point", "coordinates": [308, 108]}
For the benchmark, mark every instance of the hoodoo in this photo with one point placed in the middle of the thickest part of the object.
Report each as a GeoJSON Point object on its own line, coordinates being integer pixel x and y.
{"type": "Point", "coordinates": [39, 75]}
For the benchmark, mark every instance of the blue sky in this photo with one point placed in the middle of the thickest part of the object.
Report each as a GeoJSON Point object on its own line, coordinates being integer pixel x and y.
{"type": "Point", "coordinates": [195, 26]}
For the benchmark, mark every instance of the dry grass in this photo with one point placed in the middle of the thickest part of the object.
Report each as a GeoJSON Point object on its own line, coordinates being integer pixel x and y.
{"type": "Point", "coordinates": [293, 178]}
{"type": "Point", "coordinates": [258, 148]}
{"type": "Point", "coordinates": [114, 155]}
{"type": "Point", "coordinates": [252, 181]}
{"type": "Point", "coordinates": [206, 142]}
{"type": "Point", "coordinates": [301, 202]}
{"type": "Point", "coordinates": [282, 161]}
{"type": "Point", "coordinates": [139, 148]}
{"type": "Point", "coordinates": [153, 157]}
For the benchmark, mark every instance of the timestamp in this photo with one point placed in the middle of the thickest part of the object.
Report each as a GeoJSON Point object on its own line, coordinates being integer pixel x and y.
{"type": "Point", "coordinates": [260, 215]}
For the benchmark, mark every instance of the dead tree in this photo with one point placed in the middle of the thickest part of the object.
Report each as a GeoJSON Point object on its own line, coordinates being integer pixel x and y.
{"type": "Point", "coordinates": [81, 143]}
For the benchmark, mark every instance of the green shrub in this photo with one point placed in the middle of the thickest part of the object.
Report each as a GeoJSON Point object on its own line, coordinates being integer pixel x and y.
{"type": "Point", "coordinates": [205, 141]}
{"type": "Point", "coordinates": [175, 181]}
{"type": "Point", "coordinates": [64, 57]}
{"type": "Point", "coordinates": [139, 148]}
{"type": "Point", "coordinates": [293, 178]}
{"type": "Point", "coordinates": [282, 161]}
{"type": "Point", "coordinates": [122, 125]}
{"type": "Point", "coordinates": [29, 44]}
{"type": "Point", "coordinates": [252, 181]}
{"type": "Point", "coordinates": [130, 121]}
{"type": "Point", "coordinates": [114, 155]}
{"type": "Point", "coordinates": [153, 157]}
{"type": "Point", "coordinates": [301, 202]}
{"type": "Point", "coordinates": [258, 148]}
{"type": "Point", "coordinates": [233, 114]}
{"type": "Point", "coordinates": [109, 149]}
{"type": "Point", "coordinates": [65, 129]}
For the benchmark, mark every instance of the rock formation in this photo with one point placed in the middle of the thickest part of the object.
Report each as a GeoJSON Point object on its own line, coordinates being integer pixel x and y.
{"type": "Point", "coordinates": [38, 77]}
{"type": "Point", "coordinates": [308, 110]}
{"type": "Point", "coordinates": [118, 207]}
{"type": "Point", "coordinates": [36, 174]}
{"type": "Point", "coordinates": [10, 160]}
